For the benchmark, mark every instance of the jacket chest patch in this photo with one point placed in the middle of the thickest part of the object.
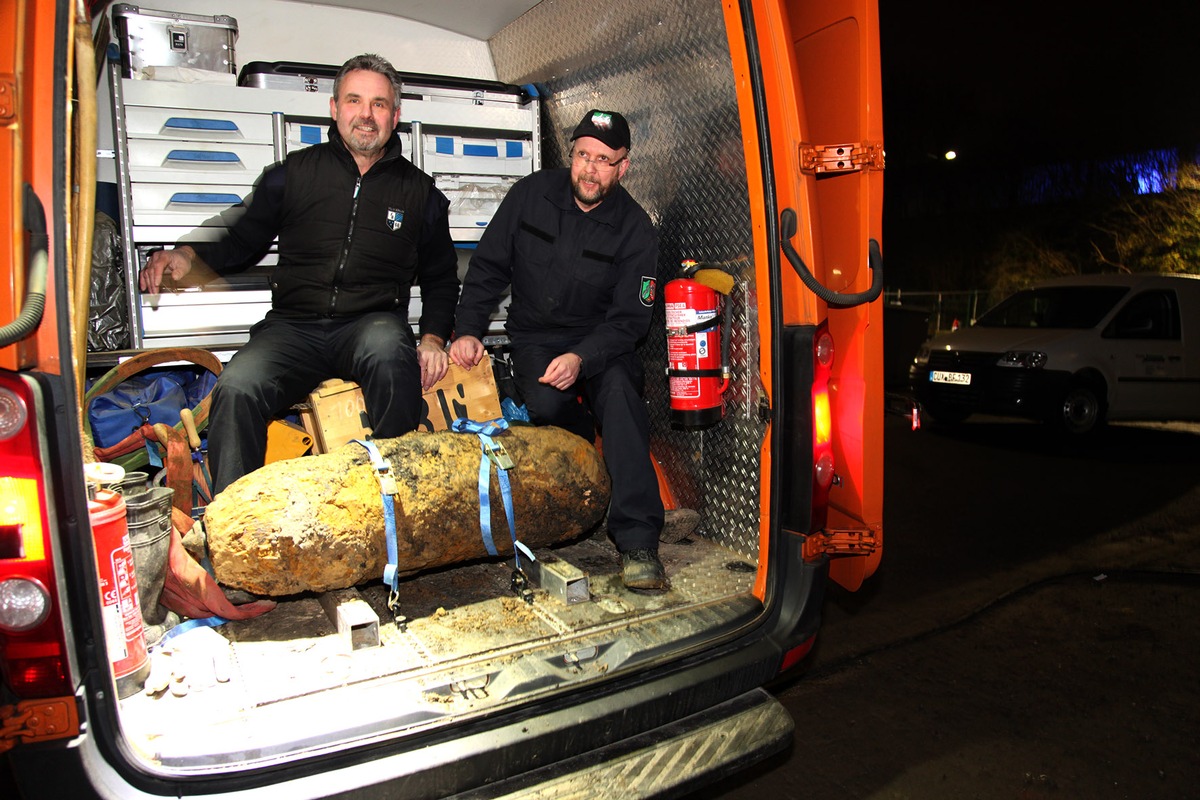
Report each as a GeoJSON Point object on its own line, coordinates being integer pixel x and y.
{"type": "Point", "coordinates": [395, 218]}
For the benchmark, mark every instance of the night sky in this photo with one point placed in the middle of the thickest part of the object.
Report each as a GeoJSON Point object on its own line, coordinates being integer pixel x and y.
{"type": "Point", "coordinates": [1038, 82]}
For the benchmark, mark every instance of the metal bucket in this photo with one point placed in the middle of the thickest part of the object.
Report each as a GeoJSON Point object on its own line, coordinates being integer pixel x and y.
{"type": "Point", "coordinates": [148, 517]}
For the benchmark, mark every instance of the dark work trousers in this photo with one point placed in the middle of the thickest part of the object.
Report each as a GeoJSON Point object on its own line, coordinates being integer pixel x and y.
{"type": "Point", "coordinates": [286, 359]}
{"type": "Point", "coordinates": [613, 403]}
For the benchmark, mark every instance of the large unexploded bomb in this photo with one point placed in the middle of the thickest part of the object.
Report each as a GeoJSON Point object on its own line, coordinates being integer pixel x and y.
{"type": "Point", "coordinates": [317, 523]}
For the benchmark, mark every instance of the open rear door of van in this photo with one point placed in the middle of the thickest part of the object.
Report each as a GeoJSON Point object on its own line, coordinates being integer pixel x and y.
{"type": "Point", "coordinates": [819, 123]}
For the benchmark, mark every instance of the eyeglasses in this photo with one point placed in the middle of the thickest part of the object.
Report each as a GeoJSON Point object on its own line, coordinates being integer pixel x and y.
{"type": "Point", "coordinates": [601, 162]}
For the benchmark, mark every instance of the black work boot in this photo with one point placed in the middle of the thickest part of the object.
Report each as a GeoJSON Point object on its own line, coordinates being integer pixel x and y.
{"type": "Point", "coordinates": [641, 570]}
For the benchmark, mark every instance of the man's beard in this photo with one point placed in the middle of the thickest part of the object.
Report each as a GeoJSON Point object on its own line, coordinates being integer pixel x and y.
{"type": "Point", "coordinates": [365, 141]}
{"type": "Point", "coordinates": [589, 200]}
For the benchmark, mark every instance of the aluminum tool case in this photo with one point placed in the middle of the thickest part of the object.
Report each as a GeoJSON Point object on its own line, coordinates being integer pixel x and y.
{"type": "Point", "coordinates": [288, 75]}
{"type": "Point", "coordinates": [152, 38]}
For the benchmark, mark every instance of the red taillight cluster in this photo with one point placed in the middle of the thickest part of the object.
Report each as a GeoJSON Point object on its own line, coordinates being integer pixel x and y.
{"type": "Point", "coordinates": [32, 649]}
{"type": "Point", "coordinates": [822, 420]}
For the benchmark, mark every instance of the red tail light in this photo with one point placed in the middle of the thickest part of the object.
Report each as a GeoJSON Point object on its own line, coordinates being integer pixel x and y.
{"type": "Point", "coordinates": [822, 416]}
{"type": "Point", "coordinates": [32, 648]}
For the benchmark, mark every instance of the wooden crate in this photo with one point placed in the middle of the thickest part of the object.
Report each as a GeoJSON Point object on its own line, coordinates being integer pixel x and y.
{"type": "Point", "coordinates": [461, 393]}
{"type": "Point", "coordinates": [337, 413]}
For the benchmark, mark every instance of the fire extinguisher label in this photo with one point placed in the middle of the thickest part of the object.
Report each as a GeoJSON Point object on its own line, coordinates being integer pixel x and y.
{"type": "Point", "coordinates": [686, 352]}
{"type": "Point", "coordinates": [680, 316]}
{"type": "Point", "coordinates": [681, 352]}
{"type": "Point", "coordinates": [114, 631]}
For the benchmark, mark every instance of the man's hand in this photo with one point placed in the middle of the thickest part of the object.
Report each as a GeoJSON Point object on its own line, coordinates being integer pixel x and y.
{"type": "Point", "coordinates": [466, 351]}
{"type": "Point", "coordinates": [563, 371]}
{"type": "Point", "coordinates": [173, 264]}
{"type": "Point", "coordinates": [431, 352]}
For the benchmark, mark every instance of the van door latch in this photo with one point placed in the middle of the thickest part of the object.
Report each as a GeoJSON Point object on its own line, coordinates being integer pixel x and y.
{"type": "Point", "coordinates": [856, 542]}
{"type": "Point", "coordinates": [38, 721]}
{"type": "Point", "coordinates": [851, 157]}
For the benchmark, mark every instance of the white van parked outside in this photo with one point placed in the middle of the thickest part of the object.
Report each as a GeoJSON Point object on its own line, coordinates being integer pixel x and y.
{"type": "Point", "coordinates": [1073, 352]}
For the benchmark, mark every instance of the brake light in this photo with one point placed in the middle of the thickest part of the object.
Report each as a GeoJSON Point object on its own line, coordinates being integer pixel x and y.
{"type": "Point", "coordinates": [32, 647]}
{"type": "Point", "coordinates": [822, 420]}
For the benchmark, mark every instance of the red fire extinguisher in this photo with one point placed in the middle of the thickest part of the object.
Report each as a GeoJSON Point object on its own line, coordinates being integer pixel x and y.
{"type": "Point", "coordinates": [124, 636]}
{"type": "Point", "coordinates": [697, 346]}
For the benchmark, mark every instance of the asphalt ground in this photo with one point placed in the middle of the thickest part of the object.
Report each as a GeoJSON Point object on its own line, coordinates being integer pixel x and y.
{"type": "Point", "coordinates": [1032, 631]}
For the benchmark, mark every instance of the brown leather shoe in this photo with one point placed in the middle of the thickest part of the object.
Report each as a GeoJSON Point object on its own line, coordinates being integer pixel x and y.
{"type": "Point", "coordinates": [642, 570]}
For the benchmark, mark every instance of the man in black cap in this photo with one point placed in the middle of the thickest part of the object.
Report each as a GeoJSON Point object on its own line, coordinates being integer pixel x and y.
{"type": "Point", "coordinates": [581, 257]}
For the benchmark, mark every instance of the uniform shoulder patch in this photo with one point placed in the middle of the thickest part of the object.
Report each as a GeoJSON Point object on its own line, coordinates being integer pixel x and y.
{"type": "Point", "coordinates": [648, 290]}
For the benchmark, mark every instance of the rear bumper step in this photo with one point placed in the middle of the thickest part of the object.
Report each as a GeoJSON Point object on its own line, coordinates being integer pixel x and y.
{"type": "Point", "coordinates": [682, 755]}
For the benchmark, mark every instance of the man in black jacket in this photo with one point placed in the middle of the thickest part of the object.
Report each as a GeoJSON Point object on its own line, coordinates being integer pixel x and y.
{"type": "Point", "coordinates": [358, 224]}
{"type": "Point", "coordinates": [581, 257]}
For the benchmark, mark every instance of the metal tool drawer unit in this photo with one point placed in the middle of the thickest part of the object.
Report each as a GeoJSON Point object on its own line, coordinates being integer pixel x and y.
{"type": "Point", "coordinates": [475, 139]}
{"type": "Point", "coordinates": [187, 152]}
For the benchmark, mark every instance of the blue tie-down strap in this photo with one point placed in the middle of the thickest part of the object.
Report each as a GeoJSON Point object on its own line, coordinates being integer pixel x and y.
{"type": "Point", "coordinates": [387, 493]}
{"type": "Point", "coordinates": [493, 453]}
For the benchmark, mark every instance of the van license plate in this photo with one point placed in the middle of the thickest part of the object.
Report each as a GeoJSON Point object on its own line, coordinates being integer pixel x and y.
{"type": "Point", "coordinates": [957, 378]}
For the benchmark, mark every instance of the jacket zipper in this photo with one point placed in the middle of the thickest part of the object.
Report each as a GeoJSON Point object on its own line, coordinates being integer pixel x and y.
{"type": "Point", "coordinates": [341, 267]}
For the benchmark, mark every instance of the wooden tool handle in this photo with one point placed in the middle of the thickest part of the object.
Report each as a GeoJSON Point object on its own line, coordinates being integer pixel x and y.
{"type": "Point", "coordinates": [189, 425]}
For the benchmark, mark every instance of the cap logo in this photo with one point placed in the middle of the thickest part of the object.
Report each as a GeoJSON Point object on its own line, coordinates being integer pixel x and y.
{"type": "Point", "coordinates": [602, 121]}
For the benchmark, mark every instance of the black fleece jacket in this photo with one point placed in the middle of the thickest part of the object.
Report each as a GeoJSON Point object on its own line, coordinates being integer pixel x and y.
{"type": "Point", "coordinates": [348, 244]}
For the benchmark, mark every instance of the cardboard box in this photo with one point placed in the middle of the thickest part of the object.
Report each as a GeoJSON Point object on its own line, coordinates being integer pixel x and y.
{"type": "Point", "coordinates": [337, 413]}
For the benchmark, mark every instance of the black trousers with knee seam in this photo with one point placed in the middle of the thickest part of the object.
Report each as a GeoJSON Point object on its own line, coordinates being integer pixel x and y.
{"type": "Point", "coordinates": [611, 402]}
{"type": "Point", "coordinates": [286, 359]}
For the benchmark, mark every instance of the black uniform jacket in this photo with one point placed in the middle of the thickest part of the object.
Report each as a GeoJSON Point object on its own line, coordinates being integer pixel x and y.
{"type": "Point", "coordinates": [585, 280]}
{"type": "Point", "coordinates": [348, 244]}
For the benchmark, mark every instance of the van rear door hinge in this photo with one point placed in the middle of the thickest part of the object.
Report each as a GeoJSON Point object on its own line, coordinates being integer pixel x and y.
{"type": "Point", "coordinates": [8, 97]}
{"type": "Point", "coordinates": [857, 542]}
{"type": "Point", "coordinates": [852, 157]}
{"type": "Point", "coordinates": [38, 721]}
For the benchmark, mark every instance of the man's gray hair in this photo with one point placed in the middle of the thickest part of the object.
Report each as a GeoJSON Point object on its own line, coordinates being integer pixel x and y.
{"type": "Point", "coordinates": [371, 63]}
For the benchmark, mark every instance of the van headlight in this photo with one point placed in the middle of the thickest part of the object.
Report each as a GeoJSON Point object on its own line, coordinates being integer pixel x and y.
{"type": "Point", "coordinates": [1025, 359]}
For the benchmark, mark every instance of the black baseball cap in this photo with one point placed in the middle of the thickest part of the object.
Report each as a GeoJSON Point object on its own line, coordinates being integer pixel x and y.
{"type": "Point", "coordinates": [607, 126]}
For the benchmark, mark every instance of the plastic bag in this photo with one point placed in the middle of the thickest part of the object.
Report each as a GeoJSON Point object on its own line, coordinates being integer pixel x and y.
{"type": "Point", "coordinates": [108, 309]}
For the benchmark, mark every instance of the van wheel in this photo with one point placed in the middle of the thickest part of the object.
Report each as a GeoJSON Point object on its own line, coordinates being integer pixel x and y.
{"type": "Point", "coordinates": [1081, 410]}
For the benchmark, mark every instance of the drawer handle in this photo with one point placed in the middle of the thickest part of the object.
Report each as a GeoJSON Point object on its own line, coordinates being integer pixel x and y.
{"type": "Point", "coordinates": [212, 125]}
{"type": "Point", "coordinates": [205, 199]}
{"type": "Point", "coordinates": [204, 156]}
